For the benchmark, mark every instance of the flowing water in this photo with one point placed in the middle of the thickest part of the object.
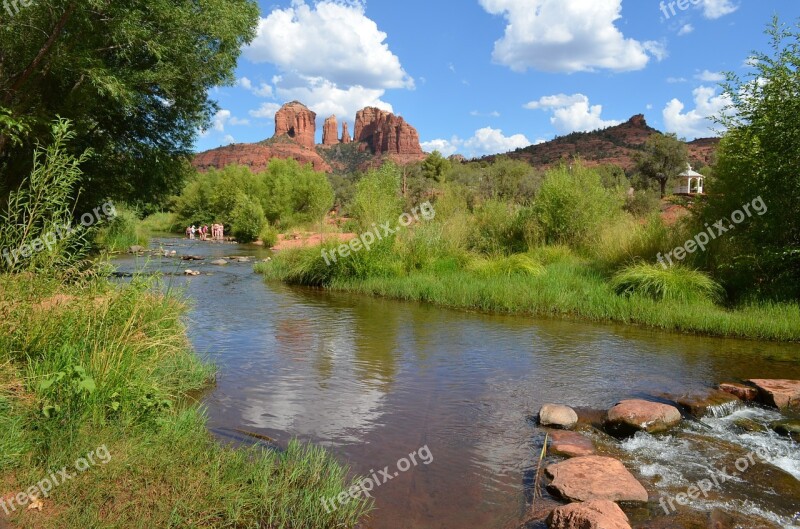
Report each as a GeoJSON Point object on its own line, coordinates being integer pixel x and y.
{"type": "Point", "coordinates": [374, 380]}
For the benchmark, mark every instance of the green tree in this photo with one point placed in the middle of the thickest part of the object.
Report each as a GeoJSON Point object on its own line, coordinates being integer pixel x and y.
{"type": "Point", "coordinates": [131, 75]}
{"type": "Point", "coordinates": [664, 157]}
{"type": "Point", "coordinates": [759, 165]}
{"type": "Point", "coordinates": [436, 167]}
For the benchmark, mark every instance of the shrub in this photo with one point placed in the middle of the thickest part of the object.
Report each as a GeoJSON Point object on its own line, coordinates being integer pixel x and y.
{"type": "Point", "coordinates": [676, 283]}
{"type": "Point", "coordinates": [377, 198]}
{"type": "Point", "coordinates": [497, 229]}
{"type": "Point", "coordinates": [269, 236]}
{"type": "Point", "coordinates": [163, 222]}
{"type": "Point", "coordinates": [642, 203]}
{"type": "Point", "coordinates": [123, 231]}
{"type": "Point", "coordinates": [247, 219]}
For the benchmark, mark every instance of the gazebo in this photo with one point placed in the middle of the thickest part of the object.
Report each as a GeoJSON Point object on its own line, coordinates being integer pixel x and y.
{"type": "Point", "coordinates": [690, 182]}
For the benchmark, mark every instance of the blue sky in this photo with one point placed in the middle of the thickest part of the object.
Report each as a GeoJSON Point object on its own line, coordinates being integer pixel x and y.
{"type": "Point", "coordinates": [486, 76]}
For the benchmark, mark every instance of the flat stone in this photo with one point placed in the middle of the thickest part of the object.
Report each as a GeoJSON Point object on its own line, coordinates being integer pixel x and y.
{"type": "Point", "coordinates": [219, 262]}
{"type": "Point", "coordinates": [136, 249]}
{"type": "Point", "coordinates": [712, 402]}
{"type": "Point", "coordinates": [556, 415]}
{"type": "Point", "coordinates": [570, 444]}
{"type": "Point", "coordinates": [745, 393]}
{"type": "Point", "coordinates": [594, 514]}
{"type": "Point", "coordinates": [595, 478]}
{"type": "Point", "coordinates": [787, 428]}
{"type": "Point", "coordinates": [631, 416]}
{"type": "Point", "coordinates": [778, 393]}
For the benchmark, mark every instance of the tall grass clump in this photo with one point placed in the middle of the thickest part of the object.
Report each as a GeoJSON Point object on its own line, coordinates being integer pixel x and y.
{"type": "Point", "coordinates": [507, 266]}
{"type": "Point", "coordinates": [675, 283]}
{"type": "Point", "coordinates": [377, 198]}
{"type": "Point", "coordinates": [122, 231]}
{"type": "Point", "coordinates": [161, 222]}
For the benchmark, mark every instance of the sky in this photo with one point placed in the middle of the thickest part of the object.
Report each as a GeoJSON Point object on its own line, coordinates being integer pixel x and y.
{"type": "Point", "coordinates": [479, 77]}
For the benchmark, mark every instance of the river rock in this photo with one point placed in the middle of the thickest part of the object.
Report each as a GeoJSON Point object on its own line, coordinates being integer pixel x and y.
{"type": "Point", "coordinates": [711, 402]}
{"type": "Point", "coordinates": [191, 273]}
{"type": "Point", "coordinates": [631, 416]}
{"type": "Point", "coordinates": [191, 258]}
{"type": "Point", "coordinates": [595, 478]}
{"type": "Point", "coordinates": [136, 249]}
{"type": "Point", "coordinates": [778, 393]}
{"type": "Point", "coordinates": [749, 425]}
{"type": "Point", "coordinates": [556, 415]}
{"type": "Point", "coordinates": [570, 444]}
{"type": "Point", "coordinates": [595, 514]}
{"type": "Point", "coordinates": [745, 393]}
{"type": "Point", "coordinates": [219, 262]}
{"type": "Point", "coordinates": [787, 428]}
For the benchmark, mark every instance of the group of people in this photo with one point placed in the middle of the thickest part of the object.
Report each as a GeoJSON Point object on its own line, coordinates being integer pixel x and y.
{"type": "Point", "coordinates": [217, 232]}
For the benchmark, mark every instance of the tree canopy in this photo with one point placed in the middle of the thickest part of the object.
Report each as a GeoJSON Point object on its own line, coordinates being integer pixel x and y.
{"type": "Point", "coordinates": [664, 157]}
{"type": "Point", "coordinates": [131, 75]}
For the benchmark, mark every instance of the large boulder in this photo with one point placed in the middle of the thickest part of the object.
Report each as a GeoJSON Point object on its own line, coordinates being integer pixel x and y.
{"type": "Point", "coordinates": [595, 478]}
{"type": "Point", "coordinates": [298, 122]}
{"type": "Point", "coordinates": [712, 402]}
{"type": "Point", "coordinates": [570, 444]}
{"type": "Point", "coordinates": [558, 416]}
{"type": "Point", "coordinates": [778, 393]}
{"type": "Point", "coordinates": [740, 391]}
{"type": "Point", "coordinates": [595, 514]}
{"type": "Point", "coordinates": [631, 416]}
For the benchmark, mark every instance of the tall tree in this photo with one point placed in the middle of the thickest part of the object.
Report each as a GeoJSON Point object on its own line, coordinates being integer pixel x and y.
{"type": "Point", "coordinates": [132, 76]}
{"type": "Point", "coordinates": [664, 157]}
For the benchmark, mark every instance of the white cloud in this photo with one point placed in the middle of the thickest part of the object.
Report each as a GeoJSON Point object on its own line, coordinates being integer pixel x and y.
{"type": "Point", "coordinates": [685, 30]}
{"type": "Point", "coordinates": [262, 90]}
{"type": "Point", "coordinates": [229, 139]}
{"type": "Point", "coordinates": [492, 114]}
{"type": "Point", "coordinates": [714, 9]}
{"type": "Point", "coordinates": [572, 113]}
{"type": "Point", "coordinates": [220, 119]}
{"type": "Point", "coordinates": [676, 80]}
{"type": "Point", "coordinates": [695, 123]}
{"type": "Point", "coordinates": [485, 141]}
{"type": "Point", "coordinates": [567, 36]}
{"type": "Point", "coordinates": [265, 111]}
{"type": "Point", "coordinates": [710, 77]}
{"type": "Point", "coordinates": [332, 39]}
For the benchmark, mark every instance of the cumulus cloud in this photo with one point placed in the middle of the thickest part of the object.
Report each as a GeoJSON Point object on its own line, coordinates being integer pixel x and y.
{"type": "Point", "coordinates": [567, 36]}
{"type": "Point", "coordinates": [332, 39]}
{"type": "Point", "coordinates": [710, 77]}
{"type": "Point", "coordinates": [265, 111]}
{"type": "Point", "coordinates": [262, 90]}
{"type": "Point", "coordinates": [485, 141]}
{"type": "Point", "coordinates": [714, 9]}
{"type": "Point", "coordinates": [326, 98]}
{"type": "Point", "coordinates": [572, 113]}
{"type": "Point", "coordinates": [695, 123]}
{"type": "Point", "coordinates": [685, 30]}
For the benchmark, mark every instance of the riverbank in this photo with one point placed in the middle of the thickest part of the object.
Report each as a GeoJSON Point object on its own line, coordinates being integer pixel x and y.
{"type": "Point", "coordinates": [551, 282]}
{"type": "Point", "coordinates": [91, 366]}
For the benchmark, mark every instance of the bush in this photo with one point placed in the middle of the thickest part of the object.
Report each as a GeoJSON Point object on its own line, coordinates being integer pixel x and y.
{"type": "Point", "coordinates": [676, 283]}
{"type": "Point", "coordinates": [377, 198]}
{"type": "Point", "coordinates": [247, 219]}
{"type": "Point", "coordinates": [269, 236]}
{"type": "Point", "coordinates": [123, 231]}
{"type": "Point", "coordinates": [161, 223]}
{"type": "Point", "coordinates": [642, 203]}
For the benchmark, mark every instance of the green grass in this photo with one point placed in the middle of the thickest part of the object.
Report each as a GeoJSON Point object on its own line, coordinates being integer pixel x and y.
{"type": "Point", "coordinates": [659, 282]}
{"type": "Point", "coordinates": [161, 223]}
{"type": "Point", "coordinates": [569, 287]}
{"type": "Point", "coordinates": [88, 365]}
{"type": "Point", "coordinates": [123, 231]}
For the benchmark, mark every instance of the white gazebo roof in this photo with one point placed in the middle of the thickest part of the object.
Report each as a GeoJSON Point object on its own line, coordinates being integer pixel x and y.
{"type": "Point", "coordinates": [690, 173]}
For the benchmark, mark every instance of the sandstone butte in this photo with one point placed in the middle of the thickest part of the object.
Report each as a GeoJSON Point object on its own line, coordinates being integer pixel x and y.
{"type": "Point", "coordinates": [385, 135]}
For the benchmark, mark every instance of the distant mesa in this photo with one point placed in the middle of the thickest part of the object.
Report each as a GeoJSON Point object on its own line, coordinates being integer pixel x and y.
{"type": "Point", "coordinates": [379, 135]}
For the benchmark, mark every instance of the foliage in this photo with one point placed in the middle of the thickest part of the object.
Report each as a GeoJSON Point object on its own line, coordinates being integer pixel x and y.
{"type": "Point", "coordinates": [160, 222]}
{"type": "Point", "coordinates": [663, 157]}
{"type": "Point", "coordinates": [572, 205]}
{"type": "Point", "coordinates": [675, 283]}
{"type": "Point", "coordinates": [377, 199]}
{"type": "Point", "coordinates": [510, 180]}
{"type": "Point", "coordinates": [132, 75]}
{"type": "Point", "coordinates": [436, 167]}
{"type": "Point", "coordinates": [760, 157]}
{"type": "Point", "coordinates": [642, 203]}
{"type": "Point", "coordinates": [247, 219]}
{"type": "Point", "coordinates": [269, 235]}
{"type": "Point", "coordinates": [38, 217]}
{"type": "Point", "coordinates": [123, 231]}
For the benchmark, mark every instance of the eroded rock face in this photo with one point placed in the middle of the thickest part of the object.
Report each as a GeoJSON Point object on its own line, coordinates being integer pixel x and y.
{"type": "Point", "coordinates": [570, 444]}
{"type": "Point", "coordinates": [330, 131]}
{"type": "Point", "coordinates": [778, 393]}
{"type": "Point", "coordinates": [558, 416]}
{"type": "Point", "coordinates": [595, 514]}
{"type": "Point", "coordinates": [296, 121]}
{"type": "Point", "coordinates": [346, 134]}
{"type": "Point", "coordinates": [257, 156]}
{"type": "Point", "coordinates": [385, 133]}
{"type": "Point", "coordinates": [595, 478]}
{"type": "Point", "coordinates": [745, 393]}
{"type": "Point", "coordinates": [631, 416]}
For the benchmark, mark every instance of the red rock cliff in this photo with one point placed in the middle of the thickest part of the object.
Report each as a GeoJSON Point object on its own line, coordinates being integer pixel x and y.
{"type": "Point", "coordinates": [386, 133]}
{"type": "Point", "coordinates": [346, 134]}
{"type": "Point", "coordinates": [330, 131]}
{"type": "Point", "coordinates": [296, 121]}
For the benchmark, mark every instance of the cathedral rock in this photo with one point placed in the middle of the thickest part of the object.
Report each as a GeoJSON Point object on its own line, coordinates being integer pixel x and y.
{"type": "Point", "coordinates": [385, 133]}
{"type": "Point", "coordinates": [297, 122]}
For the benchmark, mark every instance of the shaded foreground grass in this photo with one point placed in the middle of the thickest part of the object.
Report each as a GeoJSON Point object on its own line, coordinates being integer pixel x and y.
{"type": "Point", "coordinates": [567, 287]}
{"type": "Point", "coordinates": [95, 365]}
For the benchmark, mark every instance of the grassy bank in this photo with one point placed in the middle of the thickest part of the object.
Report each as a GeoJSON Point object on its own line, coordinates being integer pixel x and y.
{"type": "Point", "coordinates": [97, 365]}
{"type": "Point", "coordinates": [550, 281]}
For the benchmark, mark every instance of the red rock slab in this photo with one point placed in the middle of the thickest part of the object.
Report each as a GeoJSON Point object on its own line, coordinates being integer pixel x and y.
{"type": "Point", "coordinates": [570, 444]}
{"type": "Point", "coordinates": [745, 393]}
{"type": "Point", "coordinates": [778, 393]}
{"type": "Point", "coordinates": [702, 403]}
{"type": "Point", "coordinates": [630, 416]}
{"type": "Point", "coordinates": [595, 478]}
{"type": "Point", "coordinates": [595, 514]}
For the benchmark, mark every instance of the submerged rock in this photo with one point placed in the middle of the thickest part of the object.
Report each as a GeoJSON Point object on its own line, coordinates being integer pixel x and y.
{"type": "Point", "coordinates": [595, 478]}
{"type": "Point", "coordinates": [631, 416]}
{"type": "Point", "coordinates": [787, 428]}
{"type": "Point", "coordinates": [749, 425]}
{"type": "Point", "coordinates": [745, 393]}
{"type": "Point", "coordinates": [595, 514]}
{"type": "Point", "coordinates": [556, 415]}
{"type": "Point", "coordinates": [570, 444]}
{"type": "Point", "coordinates": [219, 262]}
{"type": "Point", "coordinates": [710, 403]}
{"type": "Point", "coordinates": [778, 393]}
{"type": "Point", "coordinates": [136, 249]}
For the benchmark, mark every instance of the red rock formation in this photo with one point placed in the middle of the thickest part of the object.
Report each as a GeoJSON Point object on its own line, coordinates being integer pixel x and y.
{"type": "Point", "coordinates": [346, 134]}
{"type": "Point", "coordinates": [256, 156]}
{"type": "Point", "coordinates": [385, 133]}
{"type": "Point", "coordinates": [330, 131]}
{"type": "Point", "coordinates": [297, 122]}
